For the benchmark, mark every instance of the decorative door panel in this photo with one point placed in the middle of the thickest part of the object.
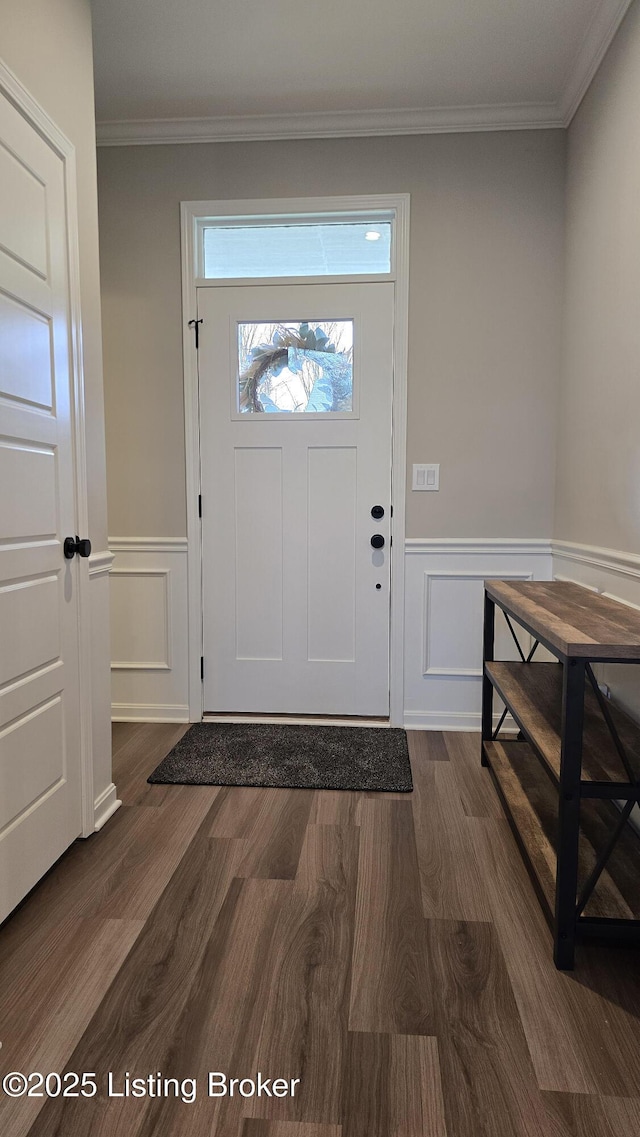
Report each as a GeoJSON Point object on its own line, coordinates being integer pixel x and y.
{"type": "Point", "coordinates": [40, 799]}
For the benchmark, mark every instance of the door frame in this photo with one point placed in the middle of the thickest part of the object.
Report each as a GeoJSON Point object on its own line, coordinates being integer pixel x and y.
{"type": "Point", "coordinates": [192, 214]}
{"type": "Point", "coordinates": [39, 120]}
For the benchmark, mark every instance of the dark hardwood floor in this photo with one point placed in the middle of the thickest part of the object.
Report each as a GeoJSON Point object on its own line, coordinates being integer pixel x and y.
{"type": "Point", "coordinates": [385, 949]}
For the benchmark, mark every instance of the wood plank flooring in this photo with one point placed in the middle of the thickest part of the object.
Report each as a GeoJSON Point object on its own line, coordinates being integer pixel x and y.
{"type": "Point", "coordinates": [386, 950]}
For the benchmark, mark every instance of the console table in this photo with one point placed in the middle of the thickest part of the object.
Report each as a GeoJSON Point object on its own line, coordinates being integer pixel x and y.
{"type": "Point", "coordinates": [569, 781]}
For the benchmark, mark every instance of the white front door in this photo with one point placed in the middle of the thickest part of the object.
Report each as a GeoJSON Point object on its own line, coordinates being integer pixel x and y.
{"type": "Point", "coordinates": [40, 793]}
{"type": "Point", "coordinates": [295, 433]}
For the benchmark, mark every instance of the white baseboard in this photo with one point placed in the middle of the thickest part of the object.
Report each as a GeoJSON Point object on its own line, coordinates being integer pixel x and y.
{"type": "Point", "coordinates": [149, 712]}
{"type": "Point", "coordinates": [461, 720]}
{"type": "Point", "coordinates": [105, 807]}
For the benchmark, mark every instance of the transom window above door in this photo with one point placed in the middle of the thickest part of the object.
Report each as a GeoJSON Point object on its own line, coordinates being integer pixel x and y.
{"type": "Point", "coordinates": [295, 366]}
{"type": "Point", "coordinates": [274, 248]}
{"type": "Point", "coordinates": [354, 243]}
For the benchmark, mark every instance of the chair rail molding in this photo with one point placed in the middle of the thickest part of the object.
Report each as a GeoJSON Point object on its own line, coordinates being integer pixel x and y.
{"type": "Point", "coordinates": [147, 544]}
{"type": "Point", "coordinates": [444, 580]}
{"type": "Point", "coordinates": [100, 563]}
{"type": "Point", "coordinates": [471, 546]}
{"type": "Point", "coordinates": [597, 557]}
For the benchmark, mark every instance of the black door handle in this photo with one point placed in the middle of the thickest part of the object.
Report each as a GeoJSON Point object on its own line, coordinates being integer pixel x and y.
{"type": "Point", "coordinates": [377, 541]}
{"type": "Point", "coordinates": [377, 512]}
{"type": "Point", "coordinates": [73, 545]}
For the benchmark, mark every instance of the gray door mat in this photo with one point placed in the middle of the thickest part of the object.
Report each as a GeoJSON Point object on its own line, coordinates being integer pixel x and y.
{"type": "Point", "coordinates": [293, 757]}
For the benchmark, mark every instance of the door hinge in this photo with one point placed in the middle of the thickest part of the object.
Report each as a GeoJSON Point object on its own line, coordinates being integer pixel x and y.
{"type": "Point", "coordinates": [199, 505]}
{"type": "Point", "coordinates": [202, 667]}
{"type": "Point", "coordinates": [195, 324]}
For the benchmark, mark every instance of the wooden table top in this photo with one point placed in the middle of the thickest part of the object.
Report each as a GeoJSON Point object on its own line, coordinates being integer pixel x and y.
{"type": "Point", "coordinates": [574, 620]}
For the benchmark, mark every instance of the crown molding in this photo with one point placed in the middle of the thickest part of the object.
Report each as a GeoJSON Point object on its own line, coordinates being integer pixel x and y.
{"type": "Point", "coordinates": [340, 124]}
{"type": "Point", "coordinates": [368, 124]}
{"type": "Point", "coordinates": [597, 39]}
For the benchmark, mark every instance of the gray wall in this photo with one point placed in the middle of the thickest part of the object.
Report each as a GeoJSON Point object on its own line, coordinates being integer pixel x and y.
{"type": "Point", "coordinates": [598, 487]}
{"type": "Point", "coordinates": [598, 484]}
{"type": "Point", "coordinates": [486, 277]}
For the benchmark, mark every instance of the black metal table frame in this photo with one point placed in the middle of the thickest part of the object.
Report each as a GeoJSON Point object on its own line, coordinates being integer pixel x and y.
{"type": "Point", "coordinates": [568, 925]}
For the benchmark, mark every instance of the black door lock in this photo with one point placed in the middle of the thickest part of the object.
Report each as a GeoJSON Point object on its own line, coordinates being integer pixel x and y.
{"type": "Point", "coordinates": [377, 512]}
{"type": "Point", "coordinates": [377, 541]}
{"type": "Point", "coordinates": [73, 545]}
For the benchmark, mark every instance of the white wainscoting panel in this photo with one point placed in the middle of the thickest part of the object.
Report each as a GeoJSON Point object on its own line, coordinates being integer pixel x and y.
{"type": "Point", "coordinates": [105, 796]}
{"type": "Point", "coordinates": [444, 584]}
{"type": "Point", "coordinates": [149, 630]}
{"type": "Point", "coordinates": [617, 575]}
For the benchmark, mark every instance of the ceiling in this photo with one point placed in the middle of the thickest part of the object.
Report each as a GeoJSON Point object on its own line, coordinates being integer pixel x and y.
{"type": "Point", "coordinates": [183, 70]}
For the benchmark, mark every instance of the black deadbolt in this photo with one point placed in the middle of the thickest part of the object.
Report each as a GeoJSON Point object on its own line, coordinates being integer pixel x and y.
{"type": "Point", "coordinates": [377, 512]}
{"type": "Point", "coordinates": [75, 545]}
{"type": "Point", "coordinates": [377, 541]}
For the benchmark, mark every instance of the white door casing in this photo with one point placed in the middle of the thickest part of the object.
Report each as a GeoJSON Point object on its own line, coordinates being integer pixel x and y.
{"type": "Point", "coordinates": [42, 721]}
{"type": "Point", "coordinates": [292, 620]}
{"type": "Point", "coordinates": [195, 216]}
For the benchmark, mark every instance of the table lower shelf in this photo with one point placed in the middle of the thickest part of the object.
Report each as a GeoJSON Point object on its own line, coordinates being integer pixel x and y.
{"type": "Point", "coordinates": [531, 804]}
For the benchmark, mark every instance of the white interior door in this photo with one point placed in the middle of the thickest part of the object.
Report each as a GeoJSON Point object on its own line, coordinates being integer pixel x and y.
{"type": "Point", "coordinates": [40, 790]}
{"type": "Point", "coordinates": [295, 598]}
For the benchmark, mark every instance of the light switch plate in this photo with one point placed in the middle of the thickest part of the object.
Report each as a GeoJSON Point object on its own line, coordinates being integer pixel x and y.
{"type": "Point", "coordinates": [426, 476]}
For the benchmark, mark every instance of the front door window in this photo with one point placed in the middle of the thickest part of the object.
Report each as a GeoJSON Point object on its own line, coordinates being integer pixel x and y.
{"type": "Point", "coordinates": [295, 366]}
